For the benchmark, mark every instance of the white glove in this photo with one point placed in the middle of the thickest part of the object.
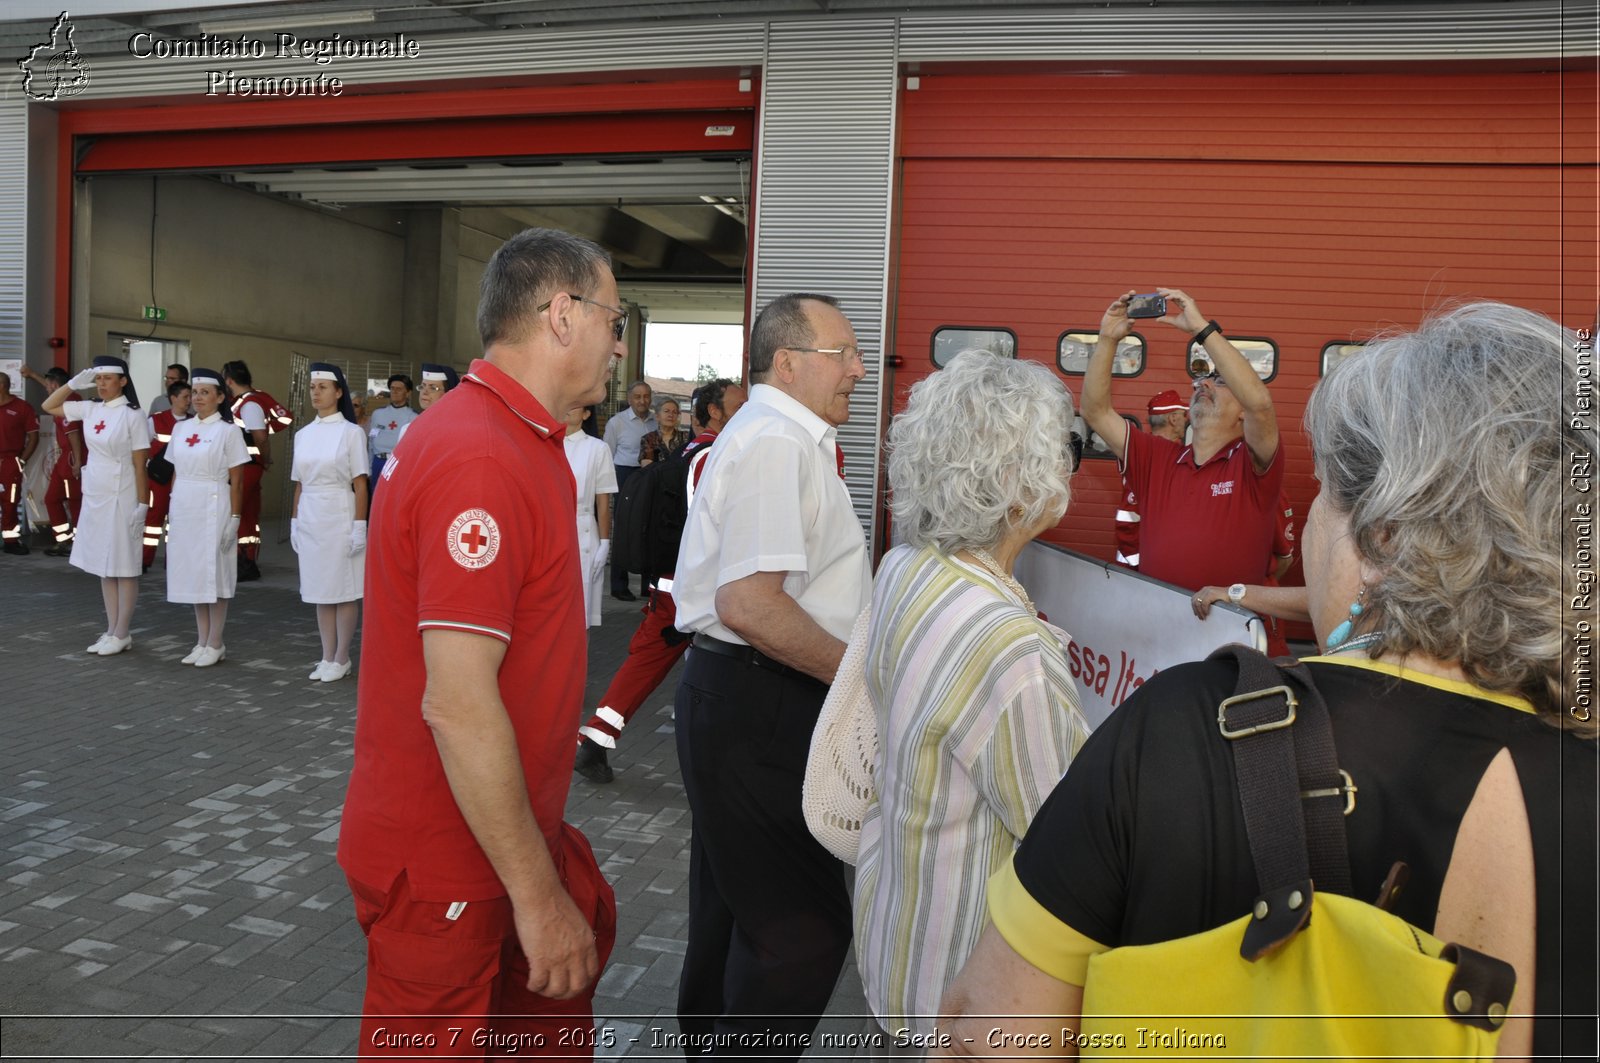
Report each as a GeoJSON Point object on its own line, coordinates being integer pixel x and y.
{"type": "Point", "coordinates": [598, 565]}
{"type": "Point", "coordinates": [294, 534]}
{"type": "Point", "coordinates": [140, 511]}
{"type": "Point", "coordinates": [358, 537]}
{"type": "Point", "coordinates": [230, 534]}
{"type": "Point", "coordinates": [83, 381]}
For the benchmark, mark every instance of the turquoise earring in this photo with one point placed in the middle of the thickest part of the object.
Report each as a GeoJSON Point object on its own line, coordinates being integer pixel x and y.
{"type": "Point", "coordinates": [1341, 634]}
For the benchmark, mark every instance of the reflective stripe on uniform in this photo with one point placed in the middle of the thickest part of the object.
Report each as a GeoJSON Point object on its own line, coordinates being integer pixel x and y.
{"type": "Point", "coordinates": [606, 714]}
{"type": "Point", "coordinates": [664, 585]}
{"type": "Point", "coordinates": [1132, 561]}
{"type": "Point", "coordinates": [1127, 516]}
{"type": "Point", "coordinates": [598, 737]}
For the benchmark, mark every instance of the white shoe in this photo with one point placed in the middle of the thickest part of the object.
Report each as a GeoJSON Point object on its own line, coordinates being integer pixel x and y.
{"type": "Point", "coordinates": [316, 673]}
{"type": "Point", "coordinates": [210, 655]}
{"type": "Point", "coordinates": [113, 645]}
{"type": "Point", "coordinates": [99, 643]}
{"type": "Point", "coordinates": [194, 654]}
{"type": "Point", "coordinates": [334, 672]}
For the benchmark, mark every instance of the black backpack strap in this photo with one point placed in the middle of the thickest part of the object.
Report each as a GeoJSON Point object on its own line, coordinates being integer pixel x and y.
{"type": "Point", "coordinates": [1289, 784]}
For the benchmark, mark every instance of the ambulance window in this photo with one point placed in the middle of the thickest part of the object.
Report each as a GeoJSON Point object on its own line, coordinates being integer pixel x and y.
{"type": "Point", "coordinates": [1093, 445]}
{"type": "Point", "coordinates": [1072, 353]}
{"type": "Point", "coordinates": [1261, 354]}
{"type": "Point", "coordinates": [1334, 353]}
{"type": "Point", "coordinates": [951, 340]}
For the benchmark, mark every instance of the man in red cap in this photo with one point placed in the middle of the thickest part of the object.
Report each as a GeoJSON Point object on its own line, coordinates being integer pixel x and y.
{"type": "Point", "coordinates": [1169, 419]}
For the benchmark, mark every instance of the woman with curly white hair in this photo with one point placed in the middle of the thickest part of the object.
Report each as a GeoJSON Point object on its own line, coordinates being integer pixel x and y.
{"type": "Point", "coordinates": [1434, 562]}
{"type": "Point", "coordinates": [977, 711]}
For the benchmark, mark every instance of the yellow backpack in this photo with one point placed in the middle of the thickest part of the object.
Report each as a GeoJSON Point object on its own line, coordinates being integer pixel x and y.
{"type": "Point", "coordinates": [1308, 974]}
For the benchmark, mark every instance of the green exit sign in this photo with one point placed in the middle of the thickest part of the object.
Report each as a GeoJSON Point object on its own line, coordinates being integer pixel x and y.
{"type": "Point", "coordinates": [155, 313]}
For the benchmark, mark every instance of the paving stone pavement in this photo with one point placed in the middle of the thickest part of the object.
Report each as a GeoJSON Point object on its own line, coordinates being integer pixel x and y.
{"type": "Point", "coordinates": [167, 876]}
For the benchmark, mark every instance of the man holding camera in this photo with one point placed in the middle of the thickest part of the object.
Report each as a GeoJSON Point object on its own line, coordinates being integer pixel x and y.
{"type": "Point", "coordinates": [1209, 508]}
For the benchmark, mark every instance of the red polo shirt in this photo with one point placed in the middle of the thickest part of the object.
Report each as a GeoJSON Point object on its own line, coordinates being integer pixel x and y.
{"type": "Point", "coordinates": [17, 419]}
{"type": "Point", "coordinates": [1202, 524]}
{"type": "Point", "coordinates": [475, 530]}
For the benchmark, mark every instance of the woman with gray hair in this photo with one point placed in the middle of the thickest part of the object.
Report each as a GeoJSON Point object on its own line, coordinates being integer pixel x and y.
{"type": "Point", "coordinates": [976, 707]}
{"type": "Point", "coordinates": [1434, 568]}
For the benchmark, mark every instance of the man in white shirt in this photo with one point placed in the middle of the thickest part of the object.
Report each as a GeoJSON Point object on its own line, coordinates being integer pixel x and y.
{"type": "Point", "coordinates": [771, 575]}
{"type": "Point", "coordinates": [623, 432]}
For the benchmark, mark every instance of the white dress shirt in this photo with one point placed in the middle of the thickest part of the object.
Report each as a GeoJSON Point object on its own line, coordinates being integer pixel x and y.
{"type": "Point", "coordinates": [772, 500]}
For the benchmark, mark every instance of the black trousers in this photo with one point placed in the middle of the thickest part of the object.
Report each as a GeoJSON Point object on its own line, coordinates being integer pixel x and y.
{"type": "Point", "coordinates": [619, 575]}
{"type": "Point", "coordinates": [769, 914]}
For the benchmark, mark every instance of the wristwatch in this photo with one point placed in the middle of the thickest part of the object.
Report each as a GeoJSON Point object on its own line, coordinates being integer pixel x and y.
{"type": "Point", "coordinates": [1236, 593]}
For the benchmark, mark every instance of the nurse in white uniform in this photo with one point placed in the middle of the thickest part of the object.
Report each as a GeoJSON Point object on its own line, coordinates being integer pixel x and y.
{"type": "Point", "coordinates": [110, 536]}
{"type": "Point", "coordinates": [208, 457]}
{"type": "Point", "coordinates": [329, 527]}
{"type": "Point", "coordinates": [596, 479]}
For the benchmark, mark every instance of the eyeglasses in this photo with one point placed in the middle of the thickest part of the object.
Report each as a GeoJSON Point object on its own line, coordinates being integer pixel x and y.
{"type": "Point", "coordinates": [618, 326]}
{"type": "Point", "coordinates": [848, 353]}
{"type": "Point", "coordinates": [1213, 376]}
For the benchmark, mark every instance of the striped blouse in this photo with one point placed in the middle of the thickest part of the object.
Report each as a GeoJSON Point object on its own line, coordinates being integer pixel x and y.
{"type": "Point", "coordinates": [978, 717]}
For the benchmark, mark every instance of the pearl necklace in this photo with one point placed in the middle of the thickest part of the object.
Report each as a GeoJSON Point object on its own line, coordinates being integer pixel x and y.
{"type": "Point", "coordinates": [984, 559]}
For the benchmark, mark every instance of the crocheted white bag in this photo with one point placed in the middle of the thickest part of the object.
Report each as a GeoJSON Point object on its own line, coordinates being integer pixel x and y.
{"type": "Point", "coordinates": [839, 784]}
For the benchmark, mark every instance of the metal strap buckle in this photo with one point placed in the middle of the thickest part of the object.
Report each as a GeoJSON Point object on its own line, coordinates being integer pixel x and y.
{"type": "Point", "coordinates": [1348, 789]}
{"type": "Point", "coordinates": [1254, 695]}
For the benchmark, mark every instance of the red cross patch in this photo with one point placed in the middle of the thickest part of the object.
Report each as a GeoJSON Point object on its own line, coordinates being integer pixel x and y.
{"type": "Point", "coordinates": [393, 425]}
{"type": "Point", "coordinates": [99, 428]}
{"type": "Point", "coordinates": [192, 440]}
{"type": "Point", "coordinates": [473, 539]}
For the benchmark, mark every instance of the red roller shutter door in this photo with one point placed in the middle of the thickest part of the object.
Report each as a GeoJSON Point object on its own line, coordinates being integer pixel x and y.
{"type": "Point", "coordinates": [1304, 209]}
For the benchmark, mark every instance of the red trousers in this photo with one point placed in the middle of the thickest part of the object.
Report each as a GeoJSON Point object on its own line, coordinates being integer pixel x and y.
{"type": "Point", "coordinates": [155, 521]}
{"type": "Point", "coordinates": [11, 504]}
{"type": "Point", "coordinates": [650, 658]}
{"type": "Point", "coordinates": [250, 511]}
{"type": "Point", "coordinates": [62, 500]}
{"type": "Point", "coordinates": [458, 987]}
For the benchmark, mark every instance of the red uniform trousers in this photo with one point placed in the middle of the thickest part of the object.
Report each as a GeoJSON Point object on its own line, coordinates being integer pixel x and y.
{"type": "Point", "coordinates": [62, 501]}
{"type": "Point", "coordinates": [458, 987]}
{"type": "Point", "coordinates": [650, 658]}
{"type": "Point", "coordinates": [155, 521]}
{"type": "Point", "coordinates": [250, 511]}
{"type": "Point", "coordinates": [11, 505]}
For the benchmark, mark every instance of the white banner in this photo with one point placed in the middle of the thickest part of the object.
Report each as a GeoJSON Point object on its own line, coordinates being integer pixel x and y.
{"type": "Point", "coordinates": [1125, 627]}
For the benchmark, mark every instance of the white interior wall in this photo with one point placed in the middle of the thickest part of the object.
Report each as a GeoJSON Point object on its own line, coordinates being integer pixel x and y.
{"type": "Point", "coordinates": [243, 276]}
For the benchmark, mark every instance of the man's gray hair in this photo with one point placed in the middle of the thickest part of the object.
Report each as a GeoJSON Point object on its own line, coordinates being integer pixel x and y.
{"type": "Point", "coordinates": [782, 323]}
{"type": "Point", "coordinates": [1448, 450]}
{"type": "Point", "coordinates": [531, 267]}
{"type": "Point", "coordinates": [1159, 420]}
{"type": "Point", "coordinates": [983, 445]}
{"type": "Point", "coordinates": [641, 384]}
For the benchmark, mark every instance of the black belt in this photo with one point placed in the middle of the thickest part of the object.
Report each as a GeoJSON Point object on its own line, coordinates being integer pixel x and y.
{"type": "Point", "coordinates": [748, 654]}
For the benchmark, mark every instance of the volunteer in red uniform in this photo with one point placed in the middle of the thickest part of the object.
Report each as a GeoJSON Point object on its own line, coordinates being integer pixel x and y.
{"type": "Point", "coordinates": [1208, 508]}
{"type": "Point", "coordinates": [260, 416]}
{"type": "Point", "coordinates": [19, 435]}
{"type": "Point", "coordinates": [1169, 419]}
{"type": "Point", "coordinates": [657, 643]}
{"type": "Point", "coordinates": [161, 425]}
{"type": "Point", "coordinates": [62, 497]}
{"type": "Point", "coordinates": [475, 898]}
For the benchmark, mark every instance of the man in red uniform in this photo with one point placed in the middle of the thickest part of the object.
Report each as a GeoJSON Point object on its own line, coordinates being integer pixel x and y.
{"type": "Point", "coordinates": [1208, 508]}
{"type": "Point", "coordinates": [657, 644]}
{"type": "Point", "coordinates": [61, 499]}
{"type": "Point", "coordinates": [475, 898]}
{"type": "Point", "coordinates": [19, 434]}
{"type": "Point", "coordinates": [1169, 419]}
{"type": "Point", "coordinates": [259, 416]}
{"type": "Point", "coordinates": [161, 425]}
